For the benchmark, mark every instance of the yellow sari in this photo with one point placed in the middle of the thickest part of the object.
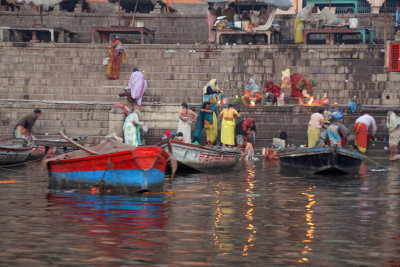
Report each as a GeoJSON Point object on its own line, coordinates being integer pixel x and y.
{"type": "Point", "coordinates": [228, 127]}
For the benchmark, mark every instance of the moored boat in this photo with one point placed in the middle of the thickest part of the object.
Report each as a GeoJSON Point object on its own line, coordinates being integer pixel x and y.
{"type": "Point", "coordinates": [321, 160]}
{"type": "Point", "coordinates": [14, 153]}
{"type": "Point", "coordinates": [201, 158]}
{"type": "Point", "coordinates": [117, 167]}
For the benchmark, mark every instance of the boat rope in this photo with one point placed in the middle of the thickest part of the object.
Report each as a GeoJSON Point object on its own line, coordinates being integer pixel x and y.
{"type": "Point", "coordinates": [102, 183]}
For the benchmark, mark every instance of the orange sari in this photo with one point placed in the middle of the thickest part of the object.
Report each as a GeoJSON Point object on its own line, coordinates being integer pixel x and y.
{"type": "Point", "coordinates": [361, 138]}
{"type": "Point", "coordinates": [115, 58]}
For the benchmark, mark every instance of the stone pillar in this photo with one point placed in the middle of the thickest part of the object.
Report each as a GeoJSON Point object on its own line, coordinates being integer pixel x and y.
{"type": "Point", "coordinates": [116, 121]}
{"type": "Point", "coordinates": [375, 5]}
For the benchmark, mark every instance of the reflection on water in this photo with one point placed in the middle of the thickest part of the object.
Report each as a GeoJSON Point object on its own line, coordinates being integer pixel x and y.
{"type": "Point", "coordinates": [255, 215]}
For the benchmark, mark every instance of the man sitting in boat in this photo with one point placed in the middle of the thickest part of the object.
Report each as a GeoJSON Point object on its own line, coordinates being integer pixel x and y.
{"type": "Point", "coordinates": [211, 89]}
{"type": "Point", "coordinates": [23, 128]}
{"type": "Point", "coordinates": [360, 128]}
{"type": "Point", "coordinates": [252, 92]}
{"type": "Point", "coordinates": [179, 137]}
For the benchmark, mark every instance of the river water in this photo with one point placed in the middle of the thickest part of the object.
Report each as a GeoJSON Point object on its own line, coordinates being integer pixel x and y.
{"type": "Point", "coordinates": [254, 215]}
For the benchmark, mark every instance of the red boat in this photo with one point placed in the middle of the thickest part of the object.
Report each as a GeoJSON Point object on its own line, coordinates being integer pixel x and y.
{"type": "Point", "coordinates": [123, 169]}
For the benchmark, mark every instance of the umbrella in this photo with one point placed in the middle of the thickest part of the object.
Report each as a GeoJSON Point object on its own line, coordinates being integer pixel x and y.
{"type": "Point", "coordinates": [216, 1]}
{"type": "Point", "coordinates": [44, 3]}
{"type": "Point", "coordinates": [281, 4]}
{"type": "Point", "coordinates": [40, 3]}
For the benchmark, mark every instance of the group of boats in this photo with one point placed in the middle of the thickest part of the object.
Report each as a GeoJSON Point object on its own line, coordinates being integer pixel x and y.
{"type": "Point", "coordinates": [116, 167]}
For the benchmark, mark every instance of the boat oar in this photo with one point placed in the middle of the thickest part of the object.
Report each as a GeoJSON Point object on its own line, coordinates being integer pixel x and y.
{"type": "Point", "coordinates": [78, 145]}
{"type": "Point", "coordinates": [172, 161]}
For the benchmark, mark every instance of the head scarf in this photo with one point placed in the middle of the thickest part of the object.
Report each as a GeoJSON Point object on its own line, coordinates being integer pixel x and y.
{"type": "Point", "coordinates": [270, 82]}
{"type": "Point", "coordinates": [252, 87]}
{"type": "Point", "coordinates": [249, 123]}
{"type": "Point", "coordinates": [212, 84]}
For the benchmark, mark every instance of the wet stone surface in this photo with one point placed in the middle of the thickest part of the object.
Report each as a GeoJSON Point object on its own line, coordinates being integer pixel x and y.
{"type": "Point", "coordinates": [255, 215]}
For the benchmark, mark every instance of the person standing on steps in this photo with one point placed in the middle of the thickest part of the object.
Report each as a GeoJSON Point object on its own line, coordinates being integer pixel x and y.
{"type": "Point", "coordinates": [138, 85]}
{"type": "Point", "coordinates": [116, 55]}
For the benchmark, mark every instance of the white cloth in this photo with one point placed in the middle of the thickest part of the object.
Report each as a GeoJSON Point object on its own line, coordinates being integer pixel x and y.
{"type": "Point", "coordinates": [138, 85]}
{"type": "Point", "coordinates": [132, 130]}
{"type": "Point", "coordinates": [327, 16]}
{"type": "Point", "coordinates": [186, 130]}
{"type": "Point", "coordinates": [268, 24]}
{"type": "Point", "coordinates": [369, 121]}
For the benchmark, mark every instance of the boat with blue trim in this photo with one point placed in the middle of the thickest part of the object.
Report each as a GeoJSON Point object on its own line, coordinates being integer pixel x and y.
{"type": "Point", "coordinates": [322, 160]}
{"type": "Point", "coordinates": [118, 167]}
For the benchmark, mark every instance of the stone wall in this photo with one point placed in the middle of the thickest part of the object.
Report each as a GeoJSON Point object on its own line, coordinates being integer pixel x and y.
{"type": "Point", "coordinates": [176, 73]}
{"type": "Point", "coordinates": [170, 28]}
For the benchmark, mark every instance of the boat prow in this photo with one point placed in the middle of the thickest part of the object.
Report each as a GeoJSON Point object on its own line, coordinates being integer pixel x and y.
{"type": "Point", "coordinates": [202, 158]}
{"type": "Point", "coordinates": [322, 160]}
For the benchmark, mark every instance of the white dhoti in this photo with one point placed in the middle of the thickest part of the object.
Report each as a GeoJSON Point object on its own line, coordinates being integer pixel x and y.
{"type": "Point", "coordinates": [185, 129]}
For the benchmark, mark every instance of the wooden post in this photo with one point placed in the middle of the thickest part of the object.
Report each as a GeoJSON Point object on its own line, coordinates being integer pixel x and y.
{"type": "Point", "coordinates": [385, 35]}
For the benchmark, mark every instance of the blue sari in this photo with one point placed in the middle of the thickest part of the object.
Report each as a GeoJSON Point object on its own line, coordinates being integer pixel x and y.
{"type": "Point", "coordinates": [202, 117]}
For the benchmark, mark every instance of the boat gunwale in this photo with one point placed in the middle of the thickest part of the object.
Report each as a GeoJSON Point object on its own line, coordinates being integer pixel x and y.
{"type": "Point", "coordinates": [117, 153]}
{"type": "Point", "coordinates": [198, 147]}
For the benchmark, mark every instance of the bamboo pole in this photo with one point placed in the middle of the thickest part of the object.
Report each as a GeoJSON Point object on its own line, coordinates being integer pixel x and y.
{"type": "Point", "coordinates": [133, 15]}
{"type": "Point", "coordinates": [385, 34]}
{"type": "Point", "coordinates": [78, 145]}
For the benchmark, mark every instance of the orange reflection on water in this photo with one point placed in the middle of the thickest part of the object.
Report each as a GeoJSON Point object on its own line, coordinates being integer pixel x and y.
{"type": "Point", "coordinates": [309, 221]}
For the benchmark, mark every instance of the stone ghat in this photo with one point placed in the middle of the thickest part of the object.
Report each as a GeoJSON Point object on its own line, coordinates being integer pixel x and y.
{"type": "Point", "coordinates": [74, 72]}
{"type": "Point", "coordinates": [94, 119]}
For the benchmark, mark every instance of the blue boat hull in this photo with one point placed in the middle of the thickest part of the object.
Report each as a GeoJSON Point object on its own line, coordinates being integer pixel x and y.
{"type": "Point", "coordinates": [116, 180]}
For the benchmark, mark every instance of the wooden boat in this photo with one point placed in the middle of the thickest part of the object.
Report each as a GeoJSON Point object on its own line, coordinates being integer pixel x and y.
{"type": "Point", "coordinates": [321, 160]}
{"type": "Point", "coordinates": [129, 170]}
{"type": "Point", "coordinates": [201, 158]}
{"type": "Point", "coordinates": [14, 153]}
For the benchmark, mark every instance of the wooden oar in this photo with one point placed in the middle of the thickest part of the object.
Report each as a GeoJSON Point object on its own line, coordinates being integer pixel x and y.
{"type": "Point", "coordinates": [78, 145]}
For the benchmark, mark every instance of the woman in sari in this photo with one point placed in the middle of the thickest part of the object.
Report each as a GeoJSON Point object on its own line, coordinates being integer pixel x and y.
{"type": "Point", "coordinates": [252, 91]}
{"type": "Point", "coordinates": [302, 86]}
{"type": "Point", "coordinates": [393, 125]}
{"type": "Point", "coordinates": [132, 129]}
{"type": "Point", "coordinates": [116, 56]}
{"type": "Point", "coordinates": [228, 125]}
{"type": "Point", "coordinates": [272, 92]}
{"type": "Point", "coordinates": [185, 122]}
{"type": "Point", "coordinates": [207, 119]}
{"type": "Point", "coordinates": [211, 89]}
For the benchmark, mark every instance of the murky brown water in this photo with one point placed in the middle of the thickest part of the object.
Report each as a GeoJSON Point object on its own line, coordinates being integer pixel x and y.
{"type": "Point", "coordinates": [252, 216]}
